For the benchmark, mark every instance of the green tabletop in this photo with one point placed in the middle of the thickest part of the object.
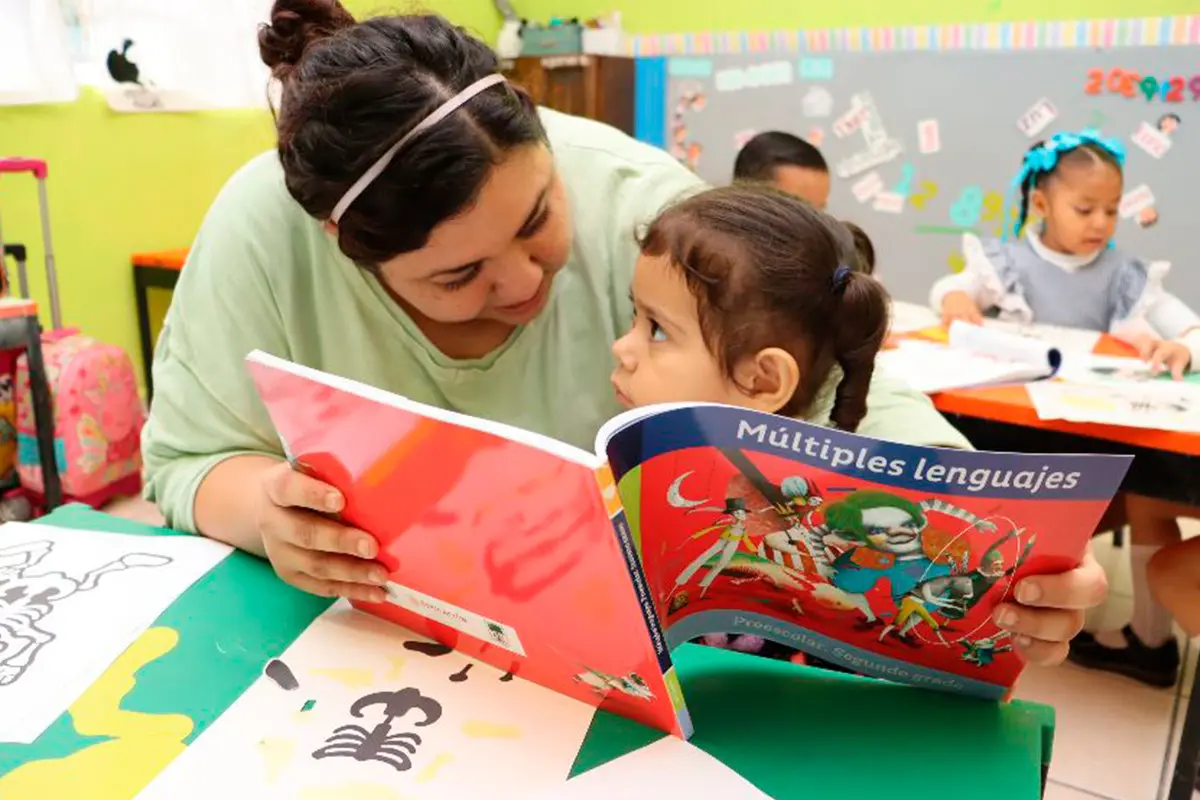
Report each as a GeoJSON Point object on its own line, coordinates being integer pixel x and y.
{"type": "Point", "coordinates": [793, 731]}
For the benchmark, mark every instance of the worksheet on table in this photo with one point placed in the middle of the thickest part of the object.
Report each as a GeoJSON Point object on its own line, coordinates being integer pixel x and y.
{"type": "Point", "coordinates": [360, 707]}
{"type": "Point", "coordinates": [71, 601]}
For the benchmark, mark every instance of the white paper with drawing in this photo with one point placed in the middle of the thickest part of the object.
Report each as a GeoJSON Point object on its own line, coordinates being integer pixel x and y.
{"type": "Point", "coordinates": [70, 602]}
{"type": "Point", "coordinates": [359, 707]}
{"type": "Point", "coordinates": [974, 356]}
{"type": "Point", "coordinates": [1168, 406]}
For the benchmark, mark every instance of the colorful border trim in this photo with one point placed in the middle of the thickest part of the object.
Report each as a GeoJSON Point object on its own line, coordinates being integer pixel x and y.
{"type": "Point", "coordinates": [1140, 31]}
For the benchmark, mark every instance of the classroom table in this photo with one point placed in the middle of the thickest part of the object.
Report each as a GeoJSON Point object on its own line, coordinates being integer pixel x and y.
{"type": "Point", "coordinates": [1166, 463]}
{"type": "Point", "coordinates": [156, 270]}
{"type": "Point", "coordinates": [793, 731]}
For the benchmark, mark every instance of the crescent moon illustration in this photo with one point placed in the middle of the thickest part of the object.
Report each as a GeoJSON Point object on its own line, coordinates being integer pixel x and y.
{"type": "Point", "coordinates": [678, 500]}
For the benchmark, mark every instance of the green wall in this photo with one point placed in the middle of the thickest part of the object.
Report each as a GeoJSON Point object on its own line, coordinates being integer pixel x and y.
{"type": "Point", "coordinates": [670, 16]}
{"type": "Point", "coordinates": [126, 183]}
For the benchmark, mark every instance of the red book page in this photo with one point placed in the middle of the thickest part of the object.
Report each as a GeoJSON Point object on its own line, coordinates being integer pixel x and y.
{"type": "Point", "coordinates": [507, 551]}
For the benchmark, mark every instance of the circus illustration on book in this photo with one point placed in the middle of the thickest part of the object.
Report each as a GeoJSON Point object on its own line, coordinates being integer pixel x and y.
{"type": "Point", "coordinates": [871, 576]}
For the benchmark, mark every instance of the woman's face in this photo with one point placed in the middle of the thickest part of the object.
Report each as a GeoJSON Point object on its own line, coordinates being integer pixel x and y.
{"type": "Point", "coordinates": [497, 259]}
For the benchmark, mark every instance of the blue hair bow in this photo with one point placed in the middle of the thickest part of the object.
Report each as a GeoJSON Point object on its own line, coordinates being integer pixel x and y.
{"type": "Point", "coordinates": [1043, 159]}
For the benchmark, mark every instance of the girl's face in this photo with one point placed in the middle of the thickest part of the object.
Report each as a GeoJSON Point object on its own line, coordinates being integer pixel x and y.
{"type": "Point", "coordinates": [494, 262]}
{"type": "Point", "coordinates": [1079, 206]}
{"type": "Point", "coordinates": [664, 358]}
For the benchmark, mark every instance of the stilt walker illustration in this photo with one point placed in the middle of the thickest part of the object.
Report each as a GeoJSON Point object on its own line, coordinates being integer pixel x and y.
{"type": "Point", "coordinates": [27, 600]}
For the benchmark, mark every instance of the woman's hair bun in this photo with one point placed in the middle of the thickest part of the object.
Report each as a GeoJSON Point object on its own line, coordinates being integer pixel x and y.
{"type": "Point", "coordinates": [294, 25]}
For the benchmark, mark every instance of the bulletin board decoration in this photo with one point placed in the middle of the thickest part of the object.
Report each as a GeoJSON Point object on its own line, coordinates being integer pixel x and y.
{"type": "Point", "coordinates": [919, 170]}
{"type": "Point", "coordinates": [1129, 32]}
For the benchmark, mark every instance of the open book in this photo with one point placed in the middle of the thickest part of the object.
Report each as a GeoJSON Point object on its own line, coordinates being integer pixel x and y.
{"type": "Point", "coordinates": [972, 356]}
{"type": "Point", "coordinates": [580, 571]}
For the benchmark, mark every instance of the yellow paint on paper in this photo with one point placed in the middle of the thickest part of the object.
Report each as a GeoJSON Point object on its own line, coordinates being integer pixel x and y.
{"type": "Point", "coordinates": [434, 767]}
{"type": "Point", "coordinates": [354, 678]}
{"type": "Point", "coordinates": [478, 729]}
{"type": "Point", "coordinates": [350, 791]}
{"type": "Point", "coordinates": [139, 745]}
{"type": "Point", "coordinates": [276, 754]}
{"type": "Point", "coordinates": [397, 663]}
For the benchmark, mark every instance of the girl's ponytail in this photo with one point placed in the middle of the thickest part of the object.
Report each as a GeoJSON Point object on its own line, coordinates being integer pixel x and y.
{"type": "Point", "coordinates": [862, 322]}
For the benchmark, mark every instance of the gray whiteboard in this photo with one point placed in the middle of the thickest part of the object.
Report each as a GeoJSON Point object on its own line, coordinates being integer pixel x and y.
{"type": "Point", "coordinates": [976, 98]}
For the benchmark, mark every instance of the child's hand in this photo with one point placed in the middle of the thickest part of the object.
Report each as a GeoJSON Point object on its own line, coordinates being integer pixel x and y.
{"type": "Point", "coordinates": [311, 551]}
{"type": "Point", "coordinates": [1167, 355]}
{"type": "Point", "coordinates": [960, 306]}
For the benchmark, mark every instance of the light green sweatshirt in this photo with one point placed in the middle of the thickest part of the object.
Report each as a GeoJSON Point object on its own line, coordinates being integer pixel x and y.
{"type": "Point", "coordinates": [263, 274]}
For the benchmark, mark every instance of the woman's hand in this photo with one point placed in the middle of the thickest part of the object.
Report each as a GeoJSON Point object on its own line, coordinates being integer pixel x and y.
{"type": "Point", "coordinates": [1049, 610]}
{"type": "Point", "coordinates": [311, 551]}
{"type": "Point", "coordinates": [959, 306]}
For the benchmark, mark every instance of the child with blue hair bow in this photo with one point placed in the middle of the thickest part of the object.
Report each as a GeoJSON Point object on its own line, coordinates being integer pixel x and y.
{"type": "Point", "coordinates": [1067, 272]}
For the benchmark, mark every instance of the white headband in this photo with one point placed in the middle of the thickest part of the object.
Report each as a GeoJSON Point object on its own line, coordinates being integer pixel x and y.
{"type": "Point", "coordinates": [440, 113]}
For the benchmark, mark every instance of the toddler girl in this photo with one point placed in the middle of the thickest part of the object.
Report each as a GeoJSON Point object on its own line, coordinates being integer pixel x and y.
{"type": "Point", "coordinates": [1066, 272]}
{"type": "Point", "coordinates": [748, 296]}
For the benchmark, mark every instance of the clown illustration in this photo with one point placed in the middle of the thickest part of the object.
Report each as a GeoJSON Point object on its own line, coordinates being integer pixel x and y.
{"type": "Point", "coordinates": [953, 596]}
{"type": "Point", "coordinates": [890, 537]}
{"type": "Point", "coordinates": [800, 540]}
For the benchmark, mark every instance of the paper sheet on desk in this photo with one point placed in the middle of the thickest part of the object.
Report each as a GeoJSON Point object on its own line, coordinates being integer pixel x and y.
{"type": "Point", "coordinates": [642, 774]}
{"type": "Point", "coordinates": [359, 707]}
{"type": "Point", "coordinates": [1157, 406]}
{"type": "Point", "coordinates": [70, 602]}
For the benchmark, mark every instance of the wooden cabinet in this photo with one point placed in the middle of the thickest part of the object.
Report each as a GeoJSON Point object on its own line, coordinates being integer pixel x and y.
{"type": "Point", "coordinates": [596, 87]}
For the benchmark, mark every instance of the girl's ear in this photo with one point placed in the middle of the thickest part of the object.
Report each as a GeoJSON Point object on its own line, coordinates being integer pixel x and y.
{"type": "Point", "coordinates": [1038, 204]}
{"type": "Point", "coordinates": [769, 379]}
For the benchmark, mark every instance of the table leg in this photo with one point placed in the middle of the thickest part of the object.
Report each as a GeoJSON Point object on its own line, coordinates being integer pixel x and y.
{"type": "Point", "coordinates": [141, 291]}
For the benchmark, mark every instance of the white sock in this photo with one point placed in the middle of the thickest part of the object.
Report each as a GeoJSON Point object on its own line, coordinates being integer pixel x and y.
{"type": "Point", "coordinates": [1151, 621]}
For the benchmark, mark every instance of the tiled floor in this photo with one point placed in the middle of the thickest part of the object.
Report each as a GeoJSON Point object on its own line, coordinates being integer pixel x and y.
{"type": "Point", "coordinates": [1115, 738]}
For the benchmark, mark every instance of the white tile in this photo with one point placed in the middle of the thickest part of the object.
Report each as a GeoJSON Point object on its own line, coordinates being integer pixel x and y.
{"type": "Point", "coordinates": [1111, 733]}
{"type": "Point", "coordinates": [1059, 791]}
{"type": "Point", "coordinates": [1115, 561]}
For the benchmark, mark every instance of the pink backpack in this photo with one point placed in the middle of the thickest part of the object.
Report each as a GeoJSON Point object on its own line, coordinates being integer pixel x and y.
{"type": "Point", "coordinates": [97, 419]}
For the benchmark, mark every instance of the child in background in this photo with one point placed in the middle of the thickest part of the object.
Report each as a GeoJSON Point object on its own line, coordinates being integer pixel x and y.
{"type": "Point", "coordinates": [746, 296]}
{"type": "Point", "coordinates": [1065, 272]}
{"type": "Point", "coordinates": [790, 163]}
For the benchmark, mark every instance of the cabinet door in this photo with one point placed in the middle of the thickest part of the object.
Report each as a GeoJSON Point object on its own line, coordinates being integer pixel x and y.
{"type": "Point", "coordinates": [596, 87]}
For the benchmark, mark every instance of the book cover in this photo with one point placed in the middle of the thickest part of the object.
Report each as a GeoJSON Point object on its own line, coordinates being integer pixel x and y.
{"type": "Point", "coordinates": [581, 571]}
{"type": "Point", "coordinates": [506, 546]}
{"type": "Point", "coordinates": [884, 558]}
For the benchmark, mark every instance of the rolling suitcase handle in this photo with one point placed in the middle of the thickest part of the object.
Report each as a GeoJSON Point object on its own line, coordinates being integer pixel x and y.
{"type": "Point", "coordinates": [43, 404]}
{"type": "Point", "coordinates": [40, 171]}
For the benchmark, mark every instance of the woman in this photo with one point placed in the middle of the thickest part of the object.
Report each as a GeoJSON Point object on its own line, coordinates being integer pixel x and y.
{"type": "Point", "coordinates": [425, 229]}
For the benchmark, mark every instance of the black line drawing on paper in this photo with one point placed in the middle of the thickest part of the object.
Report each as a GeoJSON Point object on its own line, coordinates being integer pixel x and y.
{"type": "Point", "coordinates": [27, 600]}
{"type": "Point", "coordinates": [379, 743]}
{"type": "Point", "coordinates": [436, 650]}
